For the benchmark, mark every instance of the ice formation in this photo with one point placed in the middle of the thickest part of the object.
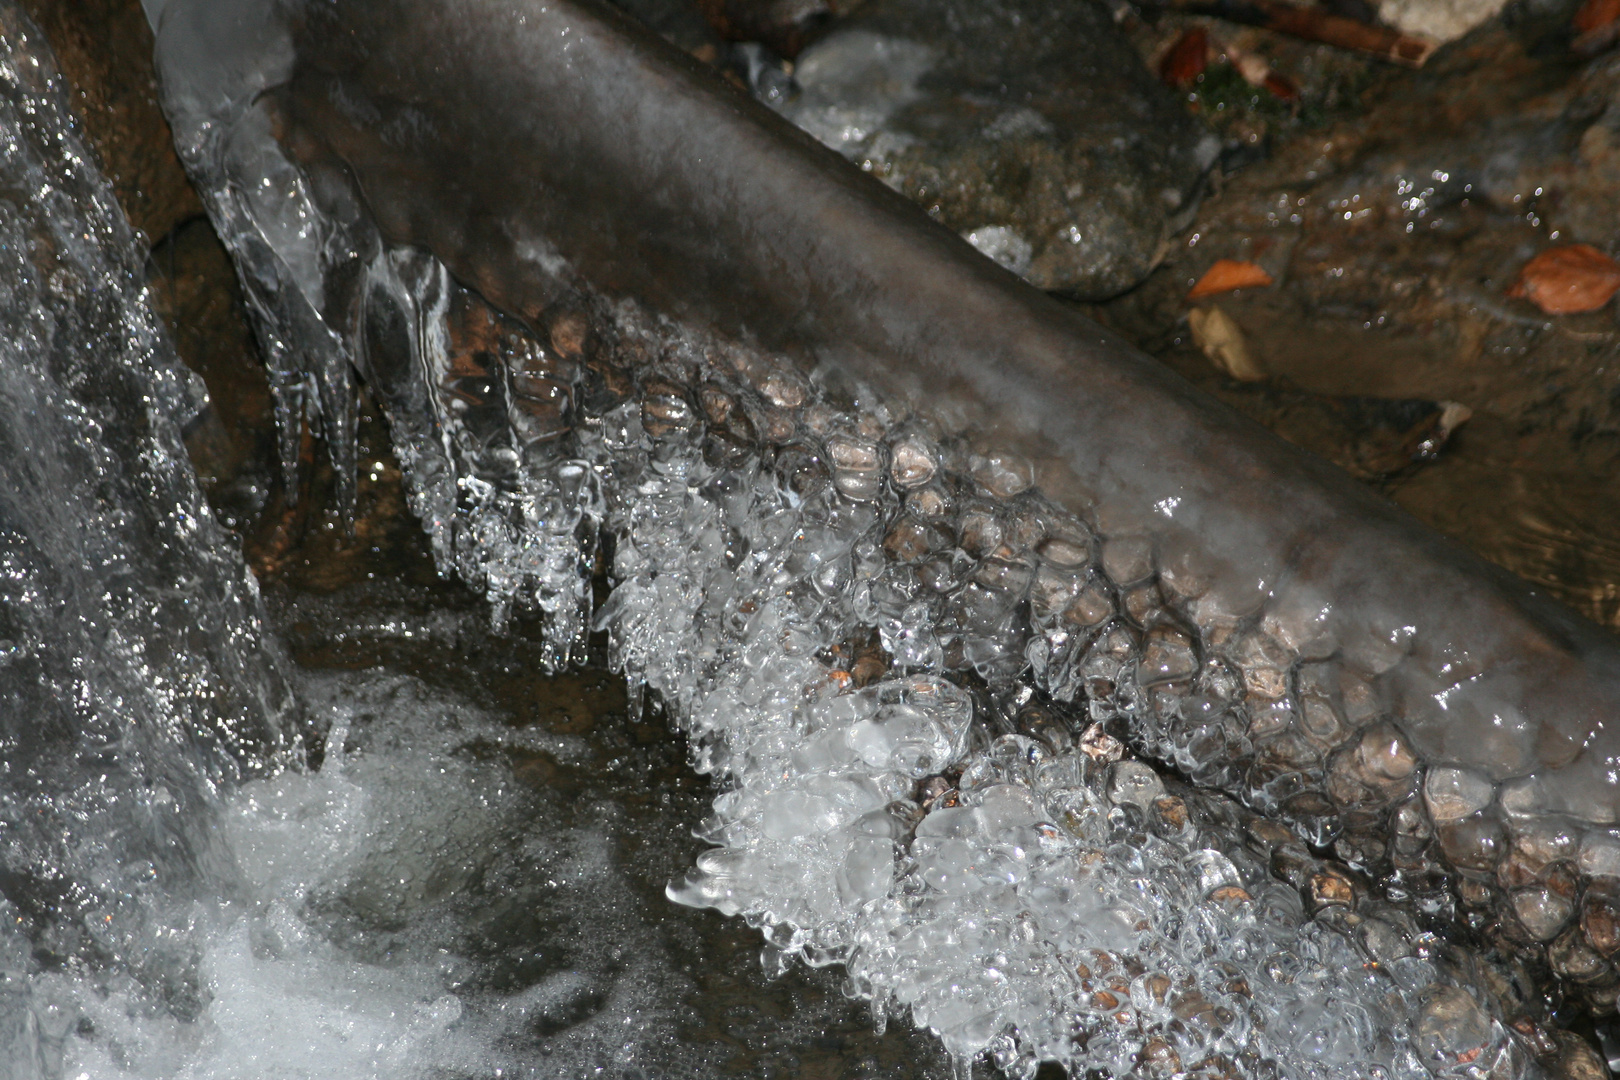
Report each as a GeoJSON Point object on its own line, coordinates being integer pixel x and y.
{"type": "Point", "coordinates": [903, 665]}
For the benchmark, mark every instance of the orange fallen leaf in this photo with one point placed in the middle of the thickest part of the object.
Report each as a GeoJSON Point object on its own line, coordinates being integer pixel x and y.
{"type": "Point", "coordinates": [1566, 280]}
{"type": "Point", "coordinates": [1281, 86]}
{"type": "Point", "coordinates": [1596, 13]}
{"type": "Point", "coordinates": [1229, 274]}
{"type": "Point", "coordinates": [1186, 59]}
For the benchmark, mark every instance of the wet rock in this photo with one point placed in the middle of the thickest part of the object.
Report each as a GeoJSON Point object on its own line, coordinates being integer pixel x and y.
{"type": "Point", "coordinates": [104, 48]}
{"type": "Point", "coordinates": [193, 291]}
{"type": "Point", "coordinates": [1033, 129]}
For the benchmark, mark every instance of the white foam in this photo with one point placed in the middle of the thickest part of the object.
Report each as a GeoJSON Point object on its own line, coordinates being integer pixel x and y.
{"type": "Point", "coordinates": [294, 982]}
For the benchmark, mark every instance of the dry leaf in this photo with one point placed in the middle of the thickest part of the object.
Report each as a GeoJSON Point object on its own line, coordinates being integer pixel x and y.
{"type": "Point", "coordinates": [1186, 59]}
{"type": "Point", "coordinates": [1596, 13]}
{"type": "Point", "coordinates": [1566, 280]}
{"type": "Point", "coordinates": [1229, 274]}
{"type": "Point", "coordinates": [1214, 331]}
{"type": "Point", "coordinates": [1281, 87]}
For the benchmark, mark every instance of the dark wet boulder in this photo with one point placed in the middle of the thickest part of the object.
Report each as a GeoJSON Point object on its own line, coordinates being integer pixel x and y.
{"type": "Point", "coordinates": [1032, 128]}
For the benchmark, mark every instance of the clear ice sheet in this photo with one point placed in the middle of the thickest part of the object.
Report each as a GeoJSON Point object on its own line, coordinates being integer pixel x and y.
{"type": "Point", "coordinates": [961, 833]}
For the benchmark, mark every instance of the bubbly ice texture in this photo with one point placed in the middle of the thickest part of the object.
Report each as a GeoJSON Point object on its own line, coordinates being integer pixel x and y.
{"type": "Point", "coordinates": [137, 680]}
{"type": "Point", "coordinates": [896, 656]}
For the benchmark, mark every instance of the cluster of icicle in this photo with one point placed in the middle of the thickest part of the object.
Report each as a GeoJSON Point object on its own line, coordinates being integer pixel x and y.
{"type": "Point", "coordinates": [948, 815]}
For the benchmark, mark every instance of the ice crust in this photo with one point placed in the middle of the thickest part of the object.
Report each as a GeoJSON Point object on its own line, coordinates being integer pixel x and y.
{"type": "Point", "coordinates": [934, 825]}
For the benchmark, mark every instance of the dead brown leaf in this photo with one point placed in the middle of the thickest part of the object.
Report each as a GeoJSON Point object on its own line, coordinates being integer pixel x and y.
{"type": "Point", "coordinates": [1596, 13]}
{"type": "Point", "coordinates": [1222, 341]}
{"type": "Point", "coordinates": [1566, 280]}
{"type": "Point", "coordinates": [1185, 60]}
{"type": "Point", "coordinates": [1229, 274]}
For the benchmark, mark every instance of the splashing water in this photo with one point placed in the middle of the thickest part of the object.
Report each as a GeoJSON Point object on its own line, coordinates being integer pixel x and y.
{"type": "Point", "coordinates": [136, 679]}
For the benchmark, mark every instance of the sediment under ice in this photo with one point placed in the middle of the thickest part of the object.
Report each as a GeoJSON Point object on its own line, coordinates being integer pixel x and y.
{"type": "Point", "coordinates": [949, 815]}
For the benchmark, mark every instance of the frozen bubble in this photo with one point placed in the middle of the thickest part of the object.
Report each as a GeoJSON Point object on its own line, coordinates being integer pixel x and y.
{"type": "Point", "coordinates": [914, 460]}
{"type": "Point", "coordinates": [1167, 656]}
{"type": "Point", "coordinates": [1542, 911]}
{"type": "Point", "coordinates": [1600, 854]}
{"type": "Point", "coordinates": [918, 726]}
{"type": "Point", "coordinates": [1133, 783]}
{"type": "Point", "coordinates": [1450, 1027]}
{"type": "Point", "coordinates": [1003, 475]}
{"type": "Point", "coordinates": [1127, 559]}
{"type": "Point", "coordinates": [1453, 794]}
{"type": "Point", "coordinates": [857, 466]}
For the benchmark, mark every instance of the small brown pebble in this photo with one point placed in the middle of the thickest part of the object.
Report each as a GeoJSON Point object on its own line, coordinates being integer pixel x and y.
{"type": "Point", "coordinates": [911, 540]}
{"type": "Point", "coordinates": [1328, 888]}
{"type": "Point", "coordinates": [1191, 1004]}
{"type": "Point", "coordinates": [930, 788]}
{"type": "Point", "coordinates": [1160, 1058]}
{"type": "Point", "coordinates": [1102, 999]}
{"type": "Point", "coordinates": [1230, 894]}
{"type": "Point", "coordinates": [1100, 746]}
{"type": "Point", "coordinates": [1172, 811]}
{"type": "Point", "coordinates": [1600, 920]}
